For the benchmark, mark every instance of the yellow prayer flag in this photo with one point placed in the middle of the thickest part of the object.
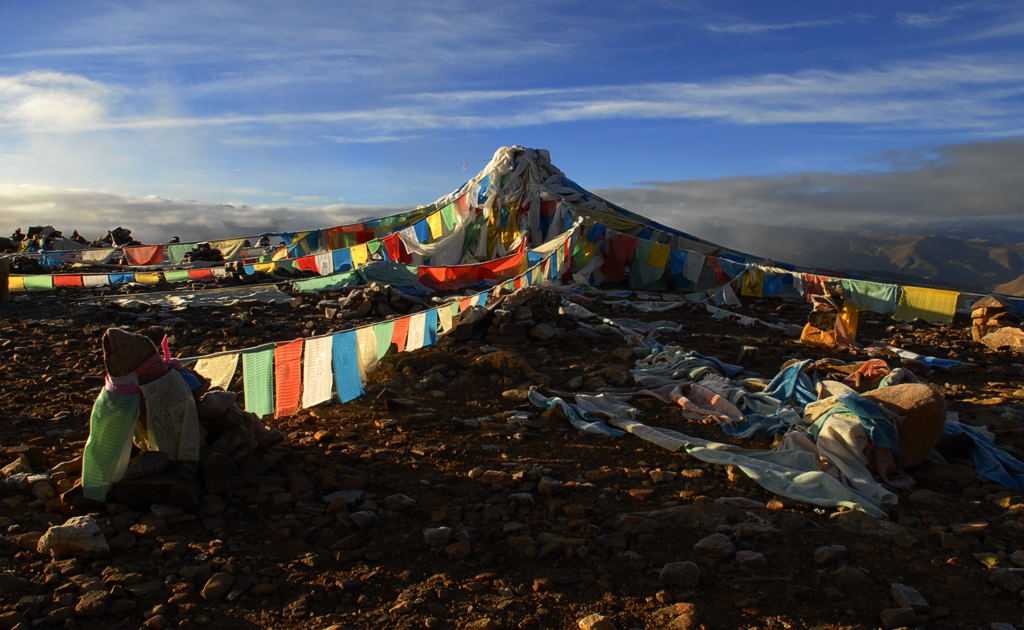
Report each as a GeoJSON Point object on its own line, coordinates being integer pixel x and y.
{"type": "Point", "coordinates": [753, 282]}
{"type": "Point", "coordinates": [933, 305]}
{"type": "Point", "coordinates": [360, 254]}
{"type": "Point", "coordinates": [16, 283]}
{"type": "Point", "coordinates": [280, 254]}
{"type": "Point", "coordinates": [435, 225]}
{"type": "Point", "coordinates": [658, 258]}
{"type": "Point", "coordinates": [149, 277]}
{"type": "Point", "coordinates": [267, 267]}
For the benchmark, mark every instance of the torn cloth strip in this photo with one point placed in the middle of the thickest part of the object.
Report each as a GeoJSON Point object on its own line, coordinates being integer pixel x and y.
{"type": "Point", "coordinates": [579, 419]}
{"type": "Point", "coordinates": [316, 371]}
{"type": "Point", "coordinates": [345, 360]}
{"type": "Point", "coordinates": [287, 378]}
{"type": "Point", "coordinates": [258, 381]}
{"type": "Point", "coordinates": [991, 462]}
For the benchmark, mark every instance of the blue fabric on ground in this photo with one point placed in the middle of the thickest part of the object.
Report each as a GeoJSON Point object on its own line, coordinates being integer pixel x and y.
{"type": "Point", "coordinates": [577, 417]}
{"type": "Point", "coordinates": [753, 423]}
{"type": "Point", "coordinates": [990, 461]}
{"type": "Point", "coordinates": [792, 384]}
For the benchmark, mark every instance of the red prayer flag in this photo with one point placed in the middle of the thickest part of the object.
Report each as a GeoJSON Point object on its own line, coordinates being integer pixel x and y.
{"type": "Point", "coordinates": [67, 281]}
{"type": "Point", "coordinates": [287, 377]}
{"type": "Point", "coordinates": [400, 333]}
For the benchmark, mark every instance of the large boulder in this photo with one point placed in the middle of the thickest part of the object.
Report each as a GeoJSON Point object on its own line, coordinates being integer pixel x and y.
{"type": "Point", "coordinates": [923, 412]}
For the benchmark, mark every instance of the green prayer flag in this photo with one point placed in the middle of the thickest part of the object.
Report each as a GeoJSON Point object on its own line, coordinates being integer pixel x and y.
{"type": "Point", "coordinates": [383, 333]}
{"type": "Point", "coordinates": [258, 381]}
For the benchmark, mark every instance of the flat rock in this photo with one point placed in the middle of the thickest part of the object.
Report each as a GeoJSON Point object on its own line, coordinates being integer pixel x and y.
{"type": "Point", "coordinates": [595, 621]}
{"type": "Point", "coordinates": [908, 597]}
{"type": "Point", "coordinates": [716, 546]}
{"type": "Point", "coordinates": [680, 574]}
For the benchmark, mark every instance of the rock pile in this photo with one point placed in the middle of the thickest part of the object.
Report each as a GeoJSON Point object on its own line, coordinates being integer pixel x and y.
{"type": "Point", "coordinates": [528, 314]}
{"type": "Point", "coordinates": [375, 299]}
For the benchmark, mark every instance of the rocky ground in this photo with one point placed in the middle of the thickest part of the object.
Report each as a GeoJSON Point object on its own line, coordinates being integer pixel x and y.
{"type": "Point", "coordinates": [443, 499]}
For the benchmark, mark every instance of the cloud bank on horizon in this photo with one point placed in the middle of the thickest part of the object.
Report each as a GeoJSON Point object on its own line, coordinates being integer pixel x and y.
{"type": "Point", "coordinates": [702, 114]}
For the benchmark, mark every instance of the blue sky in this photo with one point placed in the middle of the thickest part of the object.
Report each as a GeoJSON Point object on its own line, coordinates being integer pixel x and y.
{"type": "Point", "coordinates": [309, 111]}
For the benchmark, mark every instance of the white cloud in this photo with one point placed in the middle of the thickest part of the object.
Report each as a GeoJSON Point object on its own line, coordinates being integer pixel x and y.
{"type": "Point", "coordinates": [962, 93]}
{"type": "Point", "coordinates": [51, 100]}
{"type": "Point", "coordinates": [746, 28]}
{"type": "Point", "coordinates": [155, 219]}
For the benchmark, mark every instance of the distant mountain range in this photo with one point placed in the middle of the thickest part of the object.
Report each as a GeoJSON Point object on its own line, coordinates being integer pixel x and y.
{"type": "Point", "coordinates": [964, 263]}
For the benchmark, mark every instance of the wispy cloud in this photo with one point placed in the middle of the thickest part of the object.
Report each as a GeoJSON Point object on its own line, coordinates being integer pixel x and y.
{"type": "Point", "coordinates": [372, 139]}
{"type": "Point", "coordinates": [746, 28]}
{"type": "Point", "coordinates": [964, 93]}
{"type": "Point", "coordinates": [942, 15]}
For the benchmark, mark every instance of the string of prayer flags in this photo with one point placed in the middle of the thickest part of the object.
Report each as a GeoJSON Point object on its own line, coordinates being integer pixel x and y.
{"type": "Point", "coordinates": [287, 377]}
{"type": "Point", "coordinates": [345, 361]}
{"type": "Point", "coordinates": [219, 369]}
{"type": "Point", "coordinates": [258, 381]}
{"type": "Point", "coordinates": [316, 371]}
{"type": "Point", "coordinates": [932, 305]}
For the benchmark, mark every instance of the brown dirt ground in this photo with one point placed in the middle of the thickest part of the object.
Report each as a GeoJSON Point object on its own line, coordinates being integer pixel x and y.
{"type": "Point", "coordinates": [317, 569]}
